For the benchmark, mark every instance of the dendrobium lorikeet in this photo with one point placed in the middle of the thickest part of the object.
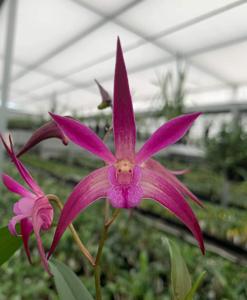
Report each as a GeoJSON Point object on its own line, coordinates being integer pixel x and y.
{"type": "Point", "coordinates": [33, 211]}
{"type": "Point", "coordinates": [128, 176]}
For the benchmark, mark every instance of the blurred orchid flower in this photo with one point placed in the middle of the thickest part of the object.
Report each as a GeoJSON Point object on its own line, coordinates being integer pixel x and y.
{"type": "Point", "coordinates": [47, 131]}
{"type": "Point", "coordinates": [128, 176]}
{"type": "Point", "coordinates": [33, 211]}
{"type": "Point", "coordinates": [106, 99]}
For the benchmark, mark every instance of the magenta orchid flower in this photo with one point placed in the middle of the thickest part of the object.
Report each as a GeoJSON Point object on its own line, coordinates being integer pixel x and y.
{"type": "Point", "coordinates": [128, 177]}
{"type": "Point", "coordinates": [51, 130]}
{"type": "Point", "coordinates": [47, 131]}
{"type": "Point", "coordinates": [106, 100]}
{"type": "Point", "coordinates": [33, 211]}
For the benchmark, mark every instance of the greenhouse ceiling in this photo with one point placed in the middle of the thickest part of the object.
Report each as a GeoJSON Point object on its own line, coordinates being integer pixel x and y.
{"type": "Point", "coordinates": [61, 46]}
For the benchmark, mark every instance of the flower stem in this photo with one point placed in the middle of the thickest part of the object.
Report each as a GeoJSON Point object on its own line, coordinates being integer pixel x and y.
{"type": "Point", "coordinates": [107, 134]}
{"type": "Point", "coordinates": [75, 236]}
{"type": "Point", "coordinates": [103, 238]}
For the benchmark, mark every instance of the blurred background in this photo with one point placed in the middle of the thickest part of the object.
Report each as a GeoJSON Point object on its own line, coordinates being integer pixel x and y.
{"type": "Point", "coordinates": [182, 56]}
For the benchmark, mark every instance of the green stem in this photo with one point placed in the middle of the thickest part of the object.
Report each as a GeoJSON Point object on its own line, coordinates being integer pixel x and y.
{"type": "Point", "coordinates": [75, 235]}
{"type": "Point", "coordinates": [103, 238]}
{"type": "Point", "coordinates": [97, 282]}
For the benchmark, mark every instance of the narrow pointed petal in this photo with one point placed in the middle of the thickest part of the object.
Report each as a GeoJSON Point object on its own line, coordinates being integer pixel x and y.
{"type": "Point", "coordinates": [22, 170]}
{"type": "Point", "coordinates": [47, 131]}
{"type": "Point", "coordinates": [166, 135]}
{"type": "Point", "coordinates": [28, 178]}
{"type": "Point", "coordinates": [26, 230]}
{"type": "Point", "coordinates": [36, 229]}
{"type": "Point", "coordinates": [14, 187]}
{"type": "Point", "coordinates": [156, 166]}
{"type": "Point", "coordinates": [87, 191]}
{"type": "Point", "coordinates": [84, 137]}
{"type": "Point", "coordinates": [123, 115]}
{"type": "Point", "coordinates": [42, 219]}
{"type": "Point", "coordinates": [157, 188]}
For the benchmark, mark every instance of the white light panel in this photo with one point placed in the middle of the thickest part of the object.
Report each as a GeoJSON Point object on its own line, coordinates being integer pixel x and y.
{"type": "Point", "coordinates": [98, 44]}
{"type": "Point", "coordinates": [150, 17]}
{"type": "Point", "coordinates": [230, 62]}
{"type": "Point", "coordinates": [44, 25]}
{"type": "Point", "coordinates": [108, 7]}
{"type": "Point", "coordinates": [213, 31]}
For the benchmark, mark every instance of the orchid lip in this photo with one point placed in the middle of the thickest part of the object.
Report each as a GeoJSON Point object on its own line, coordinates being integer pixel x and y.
{"type": "Point", "coordinates": [124, 171]}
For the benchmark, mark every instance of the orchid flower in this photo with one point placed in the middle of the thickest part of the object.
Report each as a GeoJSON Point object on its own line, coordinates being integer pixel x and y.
{"type": "Point", "coordinates": [128, 177]}
{"type": "Point", "coordinates": [51, 130]}
{"type": "Point", "coordinates": [47, 131]}
{"type": "Point", "coordinates": [106, 100]}
{"type": "Point", "coordinates": [33, 211]}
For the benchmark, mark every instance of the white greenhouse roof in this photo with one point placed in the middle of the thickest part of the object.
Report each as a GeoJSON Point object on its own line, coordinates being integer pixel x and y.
{"type": "Point", "coordinates": [60, 46]}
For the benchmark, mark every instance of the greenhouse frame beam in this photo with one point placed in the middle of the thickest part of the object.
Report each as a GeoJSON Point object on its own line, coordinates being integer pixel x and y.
{"type": "Point", "coordinates": [9, 47]}
{"type": "Point", "coordinates": [162, 46]}
{"type": "Point", "coordinates": [1, 3]}
{"type": "Point", "coordinates": [137, 44]}
{"type": "Point", "coordinates": [74, 40]}
{"type": "Point", "coordinates": [198, 19]}
{"type": "Point", "coordinates": [210, 48]}
{"type": "Point", "coordinates": [149, 65]}
{"type": "Point", "coordinates": [46, 73]}
{"type": "Point", "coordinates": [240, 107]}
{"type": "Point", "coordinates": [146, 66]}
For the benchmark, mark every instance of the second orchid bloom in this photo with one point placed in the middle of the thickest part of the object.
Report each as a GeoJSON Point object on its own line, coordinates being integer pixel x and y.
{"type": "Point", "coordinates": [33, 211]}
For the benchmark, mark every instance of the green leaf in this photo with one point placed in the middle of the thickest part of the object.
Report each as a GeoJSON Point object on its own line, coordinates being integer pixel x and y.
{"type": "Point", "coordinates": [9, 244]}
{"type": "Point", "coordinates": [180, 277]}
{"type": "Point", "coordinates": [195, 286]}
{"type": "Point", "coordinates": [68, 285]}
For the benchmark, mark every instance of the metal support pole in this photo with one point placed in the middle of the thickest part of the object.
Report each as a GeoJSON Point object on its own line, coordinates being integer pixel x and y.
{"type": "Point", "coordinates": [8, 51]}
{"type": "Point", "coordinates": [235, 110]}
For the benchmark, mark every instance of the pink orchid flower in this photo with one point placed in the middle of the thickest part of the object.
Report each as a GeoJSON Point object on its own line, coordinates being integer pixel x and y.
{"type": "Point", "coordinates": [106, 100]}
{"type": "Point", "coordinates": [33, 211]}
{"type": "Point", "coordinates": [128, 177]}
{"type": "Point", "coordinates": [47, 131]}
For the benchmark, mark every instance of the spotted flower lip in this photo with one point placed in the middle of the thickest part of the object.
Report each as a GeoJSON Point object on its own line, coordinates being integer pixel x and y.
{"type": "Point", "coordinates": [33, 211]}
{"type": "Point", "coordinates": [128, 176]}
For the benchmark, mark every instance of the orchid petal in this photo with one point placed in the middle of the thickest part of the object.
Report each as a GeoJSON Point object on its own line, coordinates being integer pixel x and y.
{"type": "Point", "coordinates": [47, 131]}
{"type": "Point", "coordinates": [26, 230]}
{"type": "Point", "coordinates": [42, 219]}
{"type": "Point", "coordinates": [12, 223]}
{"type": "Point", "coordinates": [22, 170]}
{"type": "Point", "coordinates": [106, 99]}
{"type": "Point", "coordinates": [36, 229]}
{"type": "Point", "coordinates": [166, 135]}
{"type": "Point", "coordinates": [84, 137]}
{"type": "Point", "coordinates": [123, 115]}
{"type": "Point", "coordinates": [14, 187]}
{"type": "Point", "coordinates": [87, 191]}
{"type": "Point", "coordinates": [157, 188]}
{"type": "Point", "coordinates": [156, 166]}
{"type": "Point", "coordinates": [24, 206]}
